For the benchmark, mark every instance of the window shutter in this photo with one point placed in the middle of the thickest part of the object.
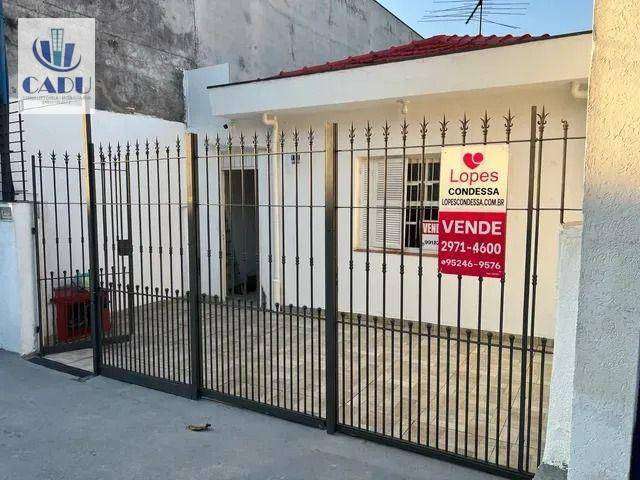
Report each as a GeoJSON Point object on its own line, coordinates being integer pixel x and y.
{"type": "Point", "coordinates": [377, 201]}
{"type": "Point", "coordinates": [393, 237]}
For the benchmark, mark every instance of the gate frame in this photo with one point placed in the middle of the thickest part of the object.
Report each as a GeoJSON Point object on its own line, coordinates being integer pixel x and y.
{"type": "Point", "coordinates": [331, 275]}
{"type": "Point", "coordinates": [92, 224]}
{"type": "Point", "coordinates": [193, 227]}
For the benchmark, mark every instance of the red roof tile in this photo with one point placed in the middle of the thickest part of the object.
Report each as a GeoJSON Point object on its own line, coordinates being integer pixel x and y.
{"type": "Point", "coordinates": [429, 47]}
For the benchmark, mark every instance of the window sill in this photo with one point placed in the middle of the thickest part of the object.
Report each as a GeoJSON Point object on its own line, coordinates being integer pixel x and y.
{"type": "Point", "coordinates": [397, 251]}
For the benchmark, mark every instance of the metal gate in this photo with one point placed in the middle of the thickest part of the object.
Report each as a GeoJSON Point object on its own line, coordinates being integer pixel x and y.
{"type": "Point", "coordinates": [289, 278]}
{"type": "Point", "coordinates": [259, 350]}
{"type": "Point", "coordinates": [439, 364]}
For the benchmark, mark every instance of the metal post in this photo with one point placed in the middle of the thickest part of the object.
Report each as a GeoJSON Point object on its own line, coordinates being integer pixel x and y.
{"type": "Point", "coordinates": [565, 131]}
{"type": "Point", "coordinates": [130, 290]}
{"type": "Point", "coordinates": [331, 274]}
{"type": "Point", "coordinates": [36, 239]}
{"type": "Point", "coordinates": [527, 287]}
{"type": "Point", "coordinates": [193, 226]}
{"type": "Point", "coordinates": [92, 230]}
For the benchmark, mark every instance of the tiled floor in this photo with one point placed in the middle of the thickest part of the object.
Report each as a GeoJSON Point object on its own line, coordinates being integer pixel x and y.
{"type": "Point", "coordinates": [393, 379]}
{"type": "Point", "coordinates": [82, 359]}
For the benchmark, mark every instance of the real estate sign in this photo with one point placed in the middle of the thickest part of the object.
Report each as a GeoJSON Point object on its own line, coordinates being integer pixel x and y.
{"type": "Point", "coordinates": [429, 236]}
{"type": "Point", "coordinates": [472, 218]}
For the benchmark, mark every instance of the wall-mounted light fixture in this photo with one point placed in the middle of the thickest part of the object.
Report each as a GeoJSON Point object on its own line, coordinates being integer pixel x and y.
{"type": "Point", "coordinates": [404, 107]}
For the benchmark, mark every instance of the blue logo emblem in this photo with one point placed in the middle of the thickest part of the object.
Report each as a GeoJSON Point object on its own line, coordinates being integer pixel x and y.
{"type": "Point", "coordinates": [54, 54]}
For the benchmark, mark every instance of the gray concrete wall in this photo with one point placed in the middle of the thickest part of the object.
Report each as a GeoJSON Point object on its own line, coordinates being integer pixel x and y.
{"type": "Point", "coordinates": [142, 47]}
{"type": "Point", "coordinates": [607, 335]}
{"type": "Point", "coordinates": [259, 38]}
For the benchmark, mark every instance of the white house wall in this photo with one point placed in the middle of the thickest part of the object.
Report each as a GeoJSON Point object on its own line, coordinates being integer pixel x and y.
{"type": "Point", "coordinates": [558, 102]}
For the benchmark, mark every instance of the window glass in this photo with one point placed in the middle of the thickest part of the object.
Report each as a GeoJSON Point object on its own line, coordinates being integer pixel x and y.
{"type": "Point", "coordinates": [421, 191]}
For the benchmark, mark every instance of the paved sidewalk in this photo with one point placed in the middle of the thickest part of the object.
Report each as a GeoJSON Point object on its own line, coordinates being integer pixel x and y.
{"type": "Point", "coordinates": [53, 426]}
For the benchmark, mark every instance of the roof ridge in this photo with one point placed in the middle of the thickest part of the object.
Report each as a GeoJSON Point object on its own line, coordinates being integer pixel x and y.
{"type": "Point", "coordinates": [424, 48]}
{"type": "Point", "coordinates": [434, 45]}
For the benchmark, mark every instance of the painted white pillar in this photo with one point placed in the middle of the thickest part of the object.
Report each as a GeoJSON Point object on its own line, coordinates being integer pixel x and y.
{"type": "Point", "coordinates": [608, 329]}
{"type": "Point", "coordinates": [17, 279]}
{"type": "Point", "coordinates": [558, 437]}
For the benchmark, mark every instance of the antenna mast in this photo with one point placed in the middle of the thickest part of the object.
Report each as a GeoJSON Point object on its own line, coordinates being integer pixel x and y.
{"type": "Point", "coordinates": [480, 11]}
{"type": "Point", "coordinates": [475, 9]}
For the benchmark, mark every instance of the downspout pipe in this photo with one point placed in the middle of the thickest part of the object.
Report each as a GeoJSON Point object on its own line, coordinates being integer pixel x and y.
{"type": "Point", "coordinates": [271, 121]}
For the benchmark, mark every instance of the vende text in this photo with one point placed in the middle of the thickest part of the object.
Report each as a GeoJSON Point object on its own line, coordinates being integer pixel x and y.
{"type": "Point", "coordinates": [473, 227]}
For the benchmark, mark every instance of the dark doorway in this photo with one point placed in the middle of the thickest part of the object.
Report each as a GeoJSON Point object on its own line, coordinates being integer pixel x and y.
{"type": "Point", "coordinates": [241, 229]}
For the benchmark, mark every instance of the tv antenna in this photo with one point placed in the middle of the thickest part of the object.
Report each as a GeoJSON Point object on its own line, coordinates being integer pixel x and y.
{"type": "Point", "coordinates": [476, 11]}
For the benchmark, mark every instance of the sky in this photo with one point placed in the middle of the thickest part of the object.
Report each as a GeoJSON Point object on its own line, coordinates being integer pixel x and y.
{"type": "Point", "coordinates": [542, 16]}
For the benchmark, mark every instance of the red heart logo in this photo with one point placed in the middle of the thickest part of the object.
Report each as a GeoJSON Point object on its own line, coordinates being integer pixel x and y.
{"type": "Point", "coordinates": [472, 161]}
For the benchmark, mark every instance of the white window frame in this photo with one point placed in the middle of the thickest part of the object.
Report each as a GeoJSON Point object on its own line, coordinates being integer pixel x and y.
{"type": "Point", "coordinates": [393, 243]}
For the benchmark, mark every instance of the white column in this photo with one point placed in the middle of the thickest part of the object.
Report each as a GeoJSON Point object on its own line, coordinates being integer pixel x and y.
{"type": "Point", "coordinates": [558, 437]}
{"type": "Point", "coordinates": [17, 279]}
{"type": "Point", "coordinates": [607, 335]}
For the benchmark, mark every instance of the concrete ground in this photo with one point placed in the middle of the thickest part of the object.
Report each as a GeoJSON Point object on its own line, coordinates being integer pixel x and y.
{"type": "Point", "coordinates": [55, 426]}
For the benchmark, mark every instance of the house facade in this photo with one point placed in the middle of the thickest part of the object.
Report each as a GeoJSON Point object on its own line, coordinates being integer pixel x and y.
{"type": "Point", "coordinates": [471, 94]}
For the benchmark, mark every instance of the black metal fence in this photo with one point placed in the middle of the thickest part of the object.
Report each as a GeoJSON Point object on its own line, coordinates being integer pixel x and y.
{"type": "Point", "coordinates": [290, 279]}
{"type": "Point", "coordinates": [147, 336]}
{"type": "Point", "coordinates": [436, 363]}
{"type": "Point", "coordinates": [13, 175]}
{"type": "Point", "coordinates": [58, 194]}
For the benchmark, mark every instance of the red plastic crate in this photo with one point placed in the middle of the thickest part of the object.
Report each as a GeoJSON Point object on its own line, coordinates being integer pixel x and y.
{"type": "Point", "coordinates": [72, 313]}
